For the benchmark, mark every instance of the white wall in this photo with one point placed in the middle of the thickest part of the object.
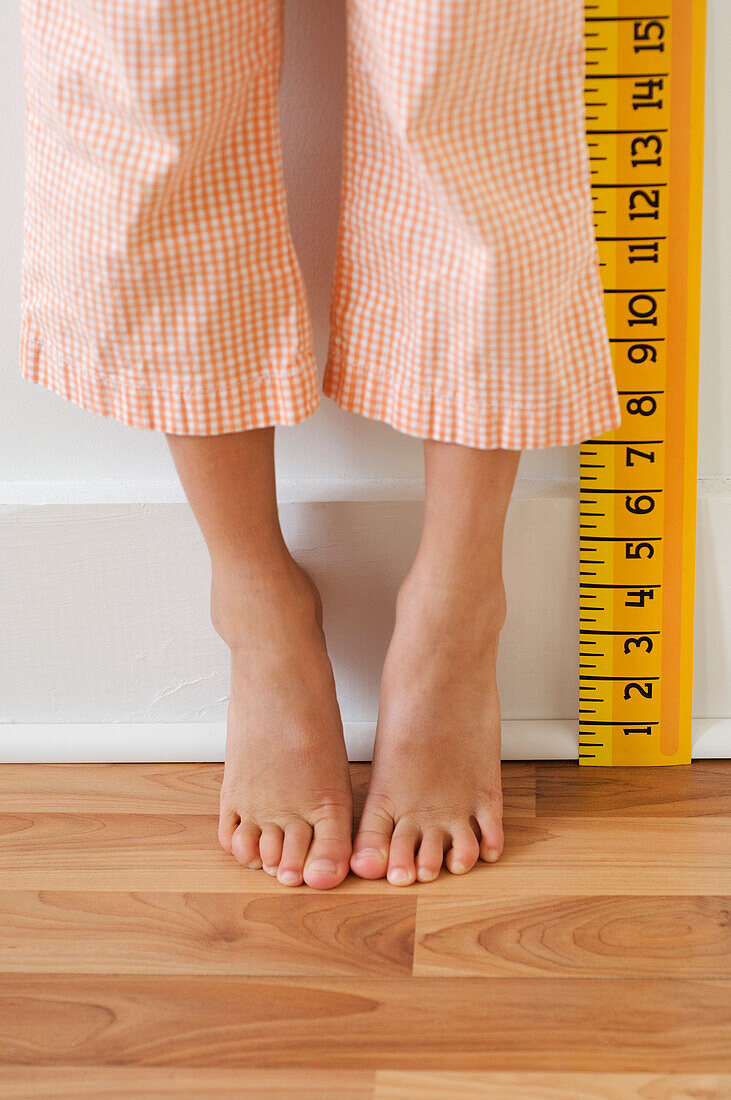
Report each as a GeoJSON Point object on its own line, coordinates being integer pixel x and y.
{"type": "Point", "coordinates": [53, 451]}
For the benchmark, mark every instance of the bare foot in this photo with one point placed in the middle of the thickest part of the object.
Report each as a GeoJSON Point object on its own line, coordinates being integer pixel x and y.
{"type": "Point", "coordinates": [286, 801]}
{"type": "Point", "coordinates": [435, 793]}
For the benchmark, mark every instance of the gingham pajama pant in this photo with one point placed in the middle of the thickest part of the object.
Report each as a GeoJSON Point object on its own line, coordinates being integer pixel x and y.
{"type": "Point", "coordinates": [160, 284]}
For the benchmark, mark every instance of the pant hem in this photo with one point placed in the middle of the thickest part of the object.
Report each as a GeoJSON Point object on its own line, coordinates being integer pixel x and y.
{"type": "Point", "coordinates": [248, 401]}
{"type": "Point", "coordinates": [455, 417]}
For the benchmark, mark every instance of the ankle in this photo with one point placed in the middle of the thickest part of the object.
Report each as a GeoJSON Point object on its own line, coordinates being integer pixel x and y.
{"type": "Point", "coordinates": [447, 595]}
{"type": "Point", "coordinates": [263, 591]}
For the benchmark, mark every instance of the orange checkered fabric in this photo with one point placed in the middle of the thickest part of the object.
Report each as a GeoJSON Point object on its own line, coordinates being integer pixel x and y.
{"type": "Point", "coordinates": [159, 280]}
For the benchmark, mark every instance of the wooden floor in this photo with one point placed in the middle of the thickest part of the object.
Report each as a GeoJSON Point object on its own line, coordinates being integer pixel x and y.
{"type": "Point", "coordinates": [592, 961]}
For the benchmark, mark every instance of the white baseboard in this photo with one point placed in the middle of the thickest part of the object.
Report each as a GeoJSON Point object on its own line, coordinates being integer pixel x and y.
{"type": "Point", "coordinates": [105, 627]}
{"type": "Point", "coordinates": [125, 743]}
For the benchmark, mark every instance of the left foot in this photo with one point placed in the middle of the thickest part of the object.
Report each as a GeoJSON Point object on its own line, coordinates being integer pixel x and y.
{"type": "Point", "coordinates": [435, 794]}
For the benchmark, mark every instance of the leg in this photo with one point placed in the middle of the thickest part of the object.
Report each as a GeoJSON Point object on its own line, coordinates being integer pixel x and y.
{"type": "Point", "coordinates": [286, 801]}
{"type": "Point", "coordinates": [160, 286]}
{"type": "Point", "coordinates": [467, 302]}
{"type": "Point", "coordinates": [435, 782]}
{"type": "Point", "coordinates": [159, 280]}
{"type": "Point", "coordinates": [468, 310]}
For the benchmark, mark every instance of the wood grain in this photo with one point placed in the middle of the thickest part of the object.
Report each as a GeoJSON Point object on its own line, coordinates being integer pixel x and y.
{"type": "Point", "coordinates": [593, 961]}
{"type": "Point", "coordinates": [111, 788]}
{"type": "Point", "coordinates": [178, 788]}
{"type": "Point", "coordinates": [701, 788]}
{"type": "Point", "coordinates": [312, 933]}
{"type": "Point", "coordinates": [121, 1082]}
{"type": "Point", "coordinates": [612, 937]}
{"type": "Point", "coordinates": [388, 1023]}
{"type": "Point", "coordinates": [399, 1085]}
{"type": "Point", "coordinates": [174, 851]}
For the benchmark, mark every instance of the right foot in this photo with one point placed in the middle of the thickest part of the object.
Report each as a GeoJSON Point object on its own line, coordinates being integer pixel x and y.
{"type": "Point", "coordinates": [286, 801]}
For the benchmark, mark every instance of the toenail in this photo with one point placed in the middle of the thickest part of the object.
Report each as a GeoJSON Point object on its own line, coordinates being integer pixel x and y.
{"type": "Point", "coordinates": [458, 868]}
{"type": "Point", "coordinates": [254, 865]}
{"type": "Point", "coordinates": [324, 866]}
{"type": "Point", "coordinates": [492, 855]}
{"type": "Point", "coordinates": [426, 876]}
{"type": "Point", "coordinates": [369, 853]}
{"type": "Point", "coordinates": [399, 876]}
{"type": "Point", "coordinates": [270, 870]}
{"type": "Point", "coordinates": [290, 878]}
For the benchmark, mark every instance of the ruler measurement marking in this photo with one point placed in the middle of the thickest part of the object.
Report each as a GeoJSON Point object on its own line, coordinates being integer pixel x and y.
{"type": "Point", "coordinates": [657, 130]}
{"type": "Point", "coordinates": [615, 678]}
{"type": "Point", "coordinates": [623, 156]}
{"type": "Point", "coordinates": [593, 584]}
{"type": "Point", "coordinates": [619, 76]}
{"type": "Point", "coordinates": [623, 633]}
{"type": "Point", "coordinates": [628, 722]}
{"type": "Point", "coordinates": [623, 18]}
{"type": "Point", "coordinates": [620, 18]}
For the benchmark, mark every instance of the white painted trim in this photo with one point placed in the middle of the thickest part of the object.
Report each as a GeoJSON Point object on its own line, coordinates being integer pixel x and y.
{"type": "Point", "coordinates": [176, 742]}
{"type": "Point", "coordinates": [289, 491]}
{"type": "Point", "coordinates": [170, 491]}
{"type": "Point", "coordinates": [105, 619]}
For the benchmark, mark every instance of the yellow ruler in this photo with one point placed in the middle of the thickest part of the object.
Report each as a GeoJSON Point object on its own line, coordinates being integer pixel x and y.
{"type": "Point", "coordinates": [644, 124]}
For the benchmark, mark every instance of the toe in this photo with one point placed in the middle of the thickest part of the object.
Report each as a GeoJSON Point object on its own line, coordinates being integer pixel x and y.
{"type": "Point", "coordinates": [430, 855]}
{"type": "Point", "coordinates": [245, 845]}
{"type": "Point", "coordinates": [401, 863]}
{"type": "Point", "coordinates": [228, 822]}
{"type": "Point", "coordinates": [492, 842]}
{"type": "Point", "coordinates": [297, 838]}
{"type": "Point", "coordinates": [370, 848]}
{"type": "Point", "coordinates": [465, 850]}
{"type": "Point", "coordinates": [270, 848]}
{"type": "Point", "coordinates": [327, 859]}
